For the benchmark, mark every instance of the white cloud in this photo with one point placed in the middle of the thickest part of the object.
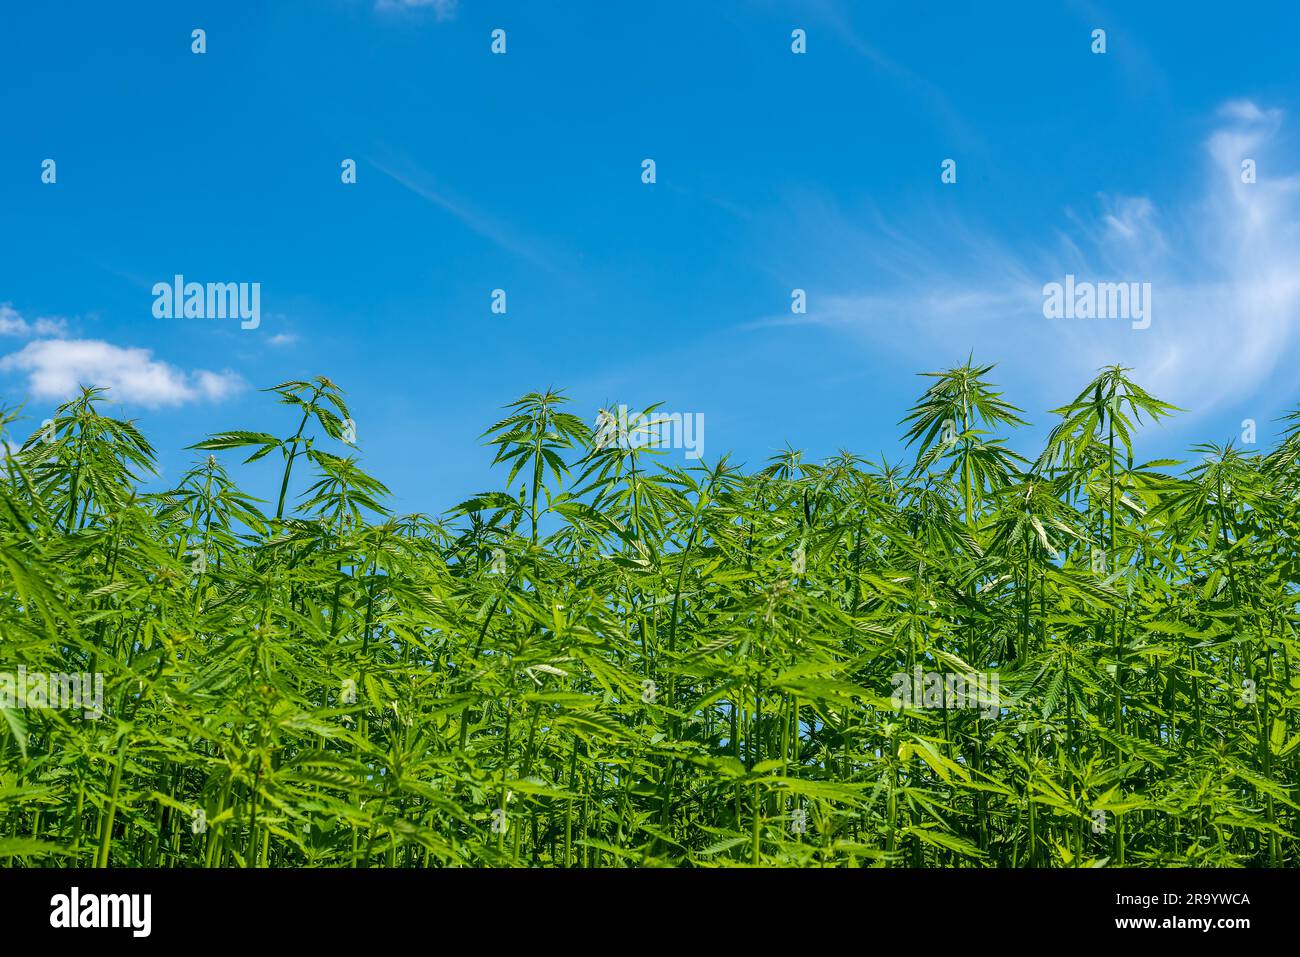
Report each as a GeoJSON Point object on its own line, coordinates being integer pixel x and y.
{"type": "Point", "coordinates": [1247, 111]}
{"type": "Point", "coordinates": [57, 368]}
{"type": "Point", "coordinates": [282, 339]}
{"type": "Point", "coordinates": [1222, 264]}
{"type": "Point", "coordinates": [13, 324]}
{"type": "Point", "coordinates": [442, 9]}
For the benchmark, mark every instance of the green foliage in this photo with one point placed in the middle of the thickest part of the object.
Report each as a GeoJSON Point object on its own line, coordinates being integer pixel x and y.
{"type": "Point", "coordinates": [618, 662]}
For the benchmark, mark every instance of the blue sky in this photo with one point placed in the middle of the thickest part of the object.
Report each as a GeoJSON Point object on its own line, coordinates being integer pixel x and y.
{"type": "Point", "coordinates": [522, 171]}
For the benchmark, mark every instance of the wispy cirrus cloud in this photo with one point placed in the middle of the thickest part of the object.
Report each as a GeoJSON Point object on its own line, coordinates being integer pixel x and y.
{"type": "Point", "coordinates": [57, 368]}
{"type": "Point", "coordinates": [476, 220]}
{"type": "Point", "coordinates": [1222, 264]}
{"type": "Point", "coordinates": [837, 16]}
{"type": "Point", "coordinates": [442, 9]}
